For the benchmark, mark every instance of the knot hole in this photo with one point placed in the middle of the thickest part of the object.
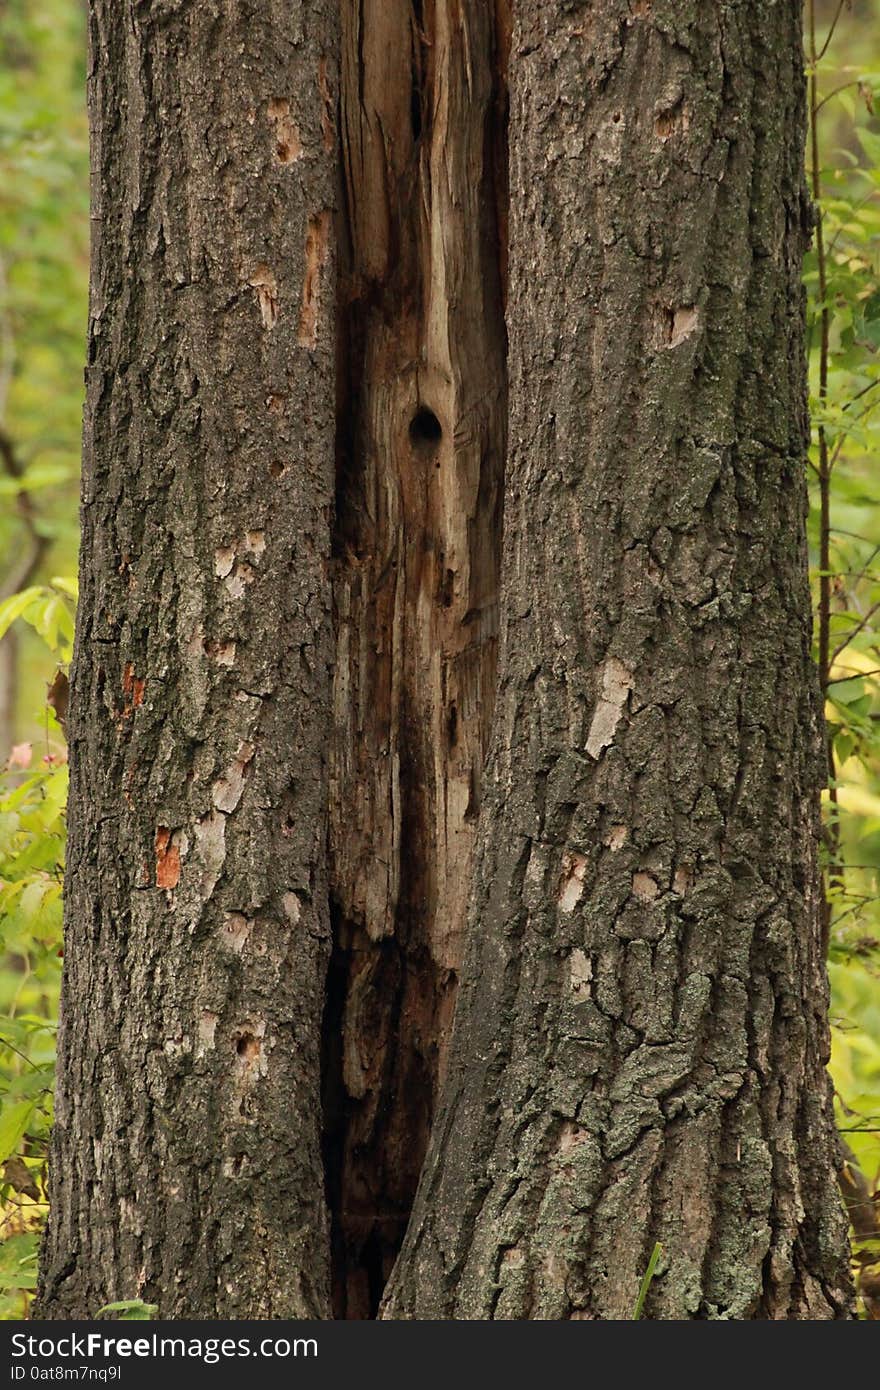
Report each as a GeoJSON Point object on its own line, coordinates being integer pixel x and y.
{"type": "Point", "coordinates": [425, 431]}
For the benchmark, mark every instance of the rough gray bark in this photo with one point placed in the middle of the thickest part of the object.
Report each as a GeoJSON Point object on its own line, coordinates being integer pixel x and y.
{"type": "Point", "coordinates": [186, 1165]}
{"type": "Point", "coordinates": [639, 1045]}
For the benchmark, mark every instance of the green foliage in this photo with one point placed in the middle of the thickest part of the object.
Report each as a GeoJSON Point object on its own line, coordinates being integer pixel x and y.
{"type": "Point", "coordinates": [18, 1270]}
{"type": "Point", "coordinates": [647, 1281]}
{"type": "Point", "coordinates": [33, 796]}
{"type": "Point", "coordinates": [842, 275]}
{"type": "Point", "coordinates": [44, 233]}
{"type": "Point", "coordinates": [130, 1310]}
{"type": "Point", "coordinates": [44, 238]}
{"type": "Point", "coordinates": [856, 1022]}
{"type": "Point", "coordinates": [49, 609]}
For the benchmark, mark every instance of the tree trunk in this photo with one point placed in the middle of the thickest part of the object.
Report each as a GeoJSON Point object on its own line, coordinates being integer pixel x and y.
{"type": "Point", "coordinates": [640, 1038]}
{"type": "Point", "coordinates": [186, 1165]}
{"type": "Point", "coordinates": [641, 1033]}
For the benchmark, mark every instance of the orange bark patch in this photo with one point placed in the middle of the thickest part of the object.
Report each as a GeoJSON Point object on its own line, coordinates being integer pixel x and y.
{"type": "Point", "coordinates": [644, 887]}
{"type": "Point", "coordinates": [167, 859]}
{"type": "Point", "coordinates": [288, 146]}
{"type": "Point", "coordinates": [133, 686]}
{"type": "Point", "coordinates": [263, 281]}
{"type": "Point", "coordinates": [317, 239]}
{"type": "Point", "coordinates": [326, 105]}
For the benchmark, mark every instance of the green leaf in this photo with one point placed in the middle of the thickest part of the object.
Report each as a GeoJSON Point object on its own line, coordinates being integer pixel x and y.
{"type": "Point", "coordinates": [39, 475]}
{"type": "Point", "coordinates": [16, 607]}
{"type": "Point", "coordinates": [647, 1280]}
{"type": "Point", "coordinates": [18, 1261]}
{"type": "Point", "coordinates": [844, 744]}
{"type": "Point", "coordinates": [130, 1310]}
{"type": "Point", "coordinates": [848, 692]}
{"type": "Point", "coordinates": [67, 586]}
{"type": "Point", "coordinates": [13, 1123]}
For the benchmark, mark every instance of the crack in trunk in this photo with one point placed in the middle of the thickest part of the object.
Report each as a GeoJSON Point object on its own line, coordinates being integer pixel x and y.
{"type": "Point", "coordinates": [420, 449]}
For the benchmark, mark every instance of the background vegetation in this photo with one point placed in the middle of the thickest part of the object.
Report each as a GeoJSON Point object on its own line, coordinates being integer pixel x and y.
{"type": "Point", "coordinates": [44, 233]}
{"type": "Point", "coordinates": [43, 289]}
{"type": "Point", "coordinates": [842, 275]}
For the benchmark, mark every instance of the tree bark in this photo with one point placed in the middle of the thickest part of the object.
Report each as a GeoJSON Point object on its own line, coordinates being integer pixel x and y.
{"type": "Point", "coordinates": [641, 1034]}
{"type": "Point", "coordinates": [186, 1166]}
{"type": "Point", "coordinates": [289, 470]}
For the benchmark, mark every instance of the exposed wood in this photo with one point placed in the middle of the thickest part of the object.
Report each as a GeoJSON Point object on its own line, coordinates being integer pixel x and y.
{"type": "Point", "coordinates": [422, 415]}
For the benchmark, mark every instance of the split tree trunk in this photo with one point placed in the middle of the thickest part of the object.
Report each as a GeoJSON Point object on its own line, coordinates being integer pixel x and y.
{"type": "Point", "coordinates": [639, 1046]}
{"type": "Point", "coordinates": [641, 1033]}
{"type": "Point", "coordinates": [186, 1166]}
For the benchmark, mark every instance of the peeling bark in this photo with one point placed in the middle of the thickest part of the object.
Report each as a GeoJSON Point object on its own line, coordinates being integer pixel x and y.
{"type": "Point", "coordinates": [641, 1033]}
{"type": "Point", "coordinates": [186, 1165]}
{"type": "Point", "coordinates": [415, 588]}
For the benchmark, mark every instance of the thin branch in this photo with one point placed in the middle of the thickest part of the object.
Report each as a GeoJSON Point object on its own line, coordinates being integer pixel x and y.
{"type": "Point", "coordinates": [824, 49]}
{"type": "Point", "coordinates": [865, 567]}
{"type": "Point", "coordinates": [4, 1042]}
{"type": "Point", "coordinates": [856, 207]}
{"type": "Point", "coordinates": [859, 394]}
{"type": "Point", "coordinates": [856, 675]}
{"type": "Point", "coordinates": [860, 626]}
{"type": "Point", "coordinates": [837, 90]}
{"type": "Point", "coordinates": [854, 535]}
{"type": "Point", "coordinates": [7, 342]}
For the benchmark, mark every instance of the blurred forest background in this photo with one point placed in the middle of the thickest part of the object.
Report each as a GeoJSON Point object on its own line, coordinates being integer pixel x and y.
{"type": "Point", "coordinates": [44, 233]}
